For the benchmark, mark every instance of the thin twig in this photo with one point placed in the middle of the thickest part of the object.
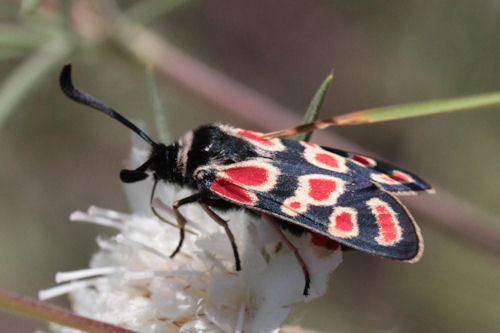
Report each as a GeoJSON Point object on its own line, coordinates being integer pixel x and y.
{"type": "Point", "coordinates": [49, 312]}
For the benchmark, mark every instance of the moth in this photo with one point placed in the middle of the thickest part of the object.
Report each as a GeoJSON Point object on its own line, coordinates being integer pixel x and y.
{"type": "Point", "coordinates": [341, 196]}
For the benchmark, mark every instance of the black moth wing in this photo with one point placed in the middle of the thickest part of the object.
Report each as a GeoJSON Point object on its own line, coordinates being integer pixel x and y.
{"type": "Point", "coordinates": [319, 190]}
{"type": "Point", "coordinates": [390, 177]}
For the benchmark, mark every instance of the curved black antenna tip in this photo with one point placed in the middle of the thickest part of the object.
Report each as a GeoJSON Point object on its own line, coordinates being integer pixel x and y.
{"type": "Point", "coordinates": [65, 80]}
{"type": "Point", "coordinates": [132, 176]}
{"type": "Point", "coordinates": [83, 98]}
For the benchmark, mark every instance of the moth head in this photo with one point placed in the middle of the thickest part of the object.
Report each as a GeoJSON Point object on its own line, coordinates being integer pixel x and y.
{"type": "Point", "coordinates": [126, 176]}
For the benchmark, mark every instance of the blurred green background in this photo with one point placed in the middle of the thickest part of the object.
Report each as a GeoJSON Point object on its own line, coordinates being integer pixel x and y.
{"type": "Point", "coordinates": [57, 157]}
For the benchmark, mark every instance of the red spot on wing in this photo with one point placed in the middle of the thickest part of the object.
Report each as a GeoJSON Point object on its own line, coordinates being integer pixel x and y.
{"type": "Point", "coordinates": [389, 179]}
{"type": "Point", "coordinates": [324, 159]}
{"type": "Point", "coordinates": [310, 144]}
{"type": "Point", "coordinates": [327, 159]}
{"type": "Point", "coordinates": [320, 189]}
{"type": "Point", "coordinates": [396, 178]}
{"type": "Point", "coordinates": [295, 205]}
{"type": "Point", "coordinates": [343, 222]}
{"type": "Point", "coordinates": [361, 159]}
{"type": "Point", "coordinates": [255, 137]}
{"type": "Point", "coordinates": [399, 176]}
{"type": "Point", "coordinates": [388, 230]}
{"type": "Point", "coordinates": [247, 175]}
{"type": "Point", "coordinates": [229, 190]}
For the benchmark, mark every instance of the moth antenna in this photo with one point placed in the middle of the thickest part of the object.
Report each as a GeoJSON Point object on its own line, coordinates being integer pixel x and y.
{"type": "Point", "coordinates": [83, 98]}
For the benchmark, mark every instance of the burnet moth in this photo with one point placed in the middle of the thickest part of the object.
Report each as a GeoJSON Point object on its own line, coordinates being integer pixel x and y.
{"type": "Point", "coordinates": [341, 196]}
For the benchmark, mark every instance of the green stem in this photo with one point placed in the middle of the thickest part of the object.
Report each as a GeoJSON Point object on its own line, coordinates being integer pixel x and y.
{"type": "Point", "coordinates": [419, 109]}
{"type": "Point", "coordinates": [158, 110]}
{"type": "Point", "coordinates": [48, 312]}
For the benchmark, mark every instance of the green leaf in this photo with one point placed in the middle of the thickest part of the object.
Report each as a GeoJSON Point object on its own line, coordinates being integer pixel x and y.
{"type": "Point", "coordinates": [419, 109]}
{"type": "Point", "coordinates": [158, 110]}
{"type": "Point", "coordinates": [314, 108]}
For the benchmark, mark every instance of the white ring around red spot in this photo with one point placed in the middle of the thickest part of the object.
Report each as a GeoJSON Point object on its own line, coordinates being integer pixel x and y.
{"type": "Point", "coordinates": [294, 206]}
{"type": "Point", "coordinates": [239, 181]}
{"type": "Point", "coordinates": [397, 177]}
{"type": "Point", "coordinates": [316, 190]}
{"type": "Point", "coordinates": [319, 189]}
{"type": "Point", "coordinates": [227, 189]}
{"type": "Point", "coordinates": [364, 160]}
{"type": "Point", "coordinates": [402, 176]}
{"type": "Point", "coordinates": [324, 159]}
{"type": "Point", "coordinates": [344, 222]}
{"type": "Point", "coordinates": [389, 228]}
{"type": "Point", "coordinates": [306, 143]}
{"type": "Point", "coordinates": [255, 138]}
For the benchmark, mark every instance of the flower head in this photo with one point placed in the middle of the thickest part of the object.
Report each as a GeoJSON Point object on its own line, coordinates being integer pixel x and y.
{"type": "Point", "coordinates": [134, 283]}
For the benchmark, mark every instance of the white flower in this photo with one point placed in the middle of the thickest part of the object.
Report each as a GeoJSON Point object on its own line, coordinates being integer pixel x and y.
{"type": "Point", "coordinates": [133, 283]}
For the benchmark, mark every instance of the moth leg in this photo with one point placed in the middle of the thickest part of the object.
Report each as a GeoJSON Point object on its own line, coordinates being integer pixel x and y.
{"type": "Point", "coordinates": [159, 216]}
{"type": "Point", "coordinates": [301, 261]}
{"type": "Point", "coordinates": [219, 220]}
{"type": "Point", "coordinates": [181, 220]}
{"type": "Point", "coordinates": [155, 212]}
